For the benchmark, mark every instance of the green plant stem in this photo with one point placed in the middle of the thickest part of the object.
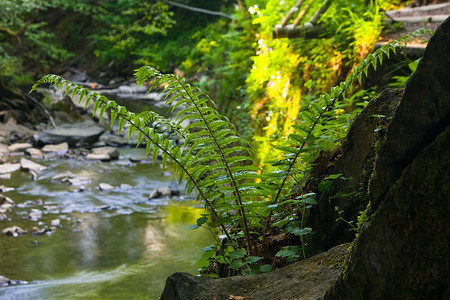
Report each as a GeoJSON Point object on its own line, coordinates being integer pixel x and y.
{"type": "Point", "coordinates": [202, 195]}
{"type": "Point", "coordinates": [230, 174]}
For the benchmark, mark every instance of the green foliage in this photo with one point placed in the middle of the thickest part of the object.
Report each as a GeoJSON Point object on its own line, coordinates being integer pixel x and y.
{"type": "Point", "coordinates": [400, 81]}
{"type": "Point", "coordinates": [244, 202]}
{"type": "Point", "coordinates": [127, 26]}
{"type": "Point", "coordinates": [25, 43]}
{"type": "Point", "coordinates": [288, 74]}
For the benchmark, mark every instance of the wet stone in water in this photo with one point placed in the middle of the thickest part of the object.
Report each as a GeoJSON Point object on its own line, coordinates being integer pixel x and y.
{"type": "Point", "coordinates": [14, 231]}
{"type": "Point", "coordinates": [105, 187]}
{"type": "Point", "coordinates": [36, 231]}
{"type": "Point", "coordinates": [35, 214]}
{"type": "Point", "coordinates": [55, 223]}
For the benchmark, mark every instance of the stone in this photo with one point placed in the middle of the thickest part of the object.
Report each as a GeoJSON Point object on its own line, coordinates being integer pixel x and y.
{"type": "Point", "coordinates": [8, 168]}
{"type": "Point", "coordinates": [5, 176]}
{"type": "Point", "coordinates": [34, 153]}
{"type": "Point", "coordinates": [4, 281]}
{"type": "Point", "coordinates": [421, 116]}
{"type": "Point", "coordinates": [308, 279]}
{"type": "Point", "coordinates": [125, 186]}
{"type": "Point", "coordinates": [5, 189]}
{"type": "Point", "coordinates": [69, 177]}
{"type": "Point", "coordinates": [13, 131]}
{"type": "Point", "coordinates": [13, 231]}
{"type": "Point", "coordinates": [3, 150]}
{"type": "Point", "coordinates": [103, 154]}
{"type": "Point", "coordinates": [29, 165]}
{"type": "Point", "coordinates": [35, 231]}
{"type": "Point", "coordinates": [35, 214]}
{"type": "Point", "coordinates": [73, 134]}
{"type": "Point", "coordinates": [354, 160]}
{"type": "Point", "coordinates": [402, 249]}
{"type": "Point", "coordinates": [19, 147]}
{"type": "Point", "coordinates": [153, 194]}
{"type": "Point", "coordinates": [55, 223]}
{"type": "Point", "coordinates": [5, 200]}
{"type": "Point", "coordinates": [105, 187]}
{"type": "Point", "coordinates": [58, 149]}
{"type": "Point", "coordinates": [5, 207]}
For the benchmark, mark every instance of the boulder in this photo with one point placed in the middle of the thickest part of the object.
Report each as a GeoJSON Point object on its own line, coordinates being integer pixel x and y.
{"type": "Point", "coordinates": [86, 132]}
{"type": "Point", "coordinates": [354, 160]}
{"type": "Point", "coordinates": [402, 251]}
{"type": "Point", "coordinates": [308, 279]}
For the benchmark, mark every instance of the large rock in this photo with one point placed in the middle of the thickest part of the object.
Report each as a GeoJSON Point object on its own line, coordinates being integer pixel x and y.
{"type": "Point", "coordinates": [74, 134]}
{"type": "Point", "coordinates": [421, 116]}
{"type": "Point", "coordinates": [308, 279]}
{"type": "Point", "coordinates": [354, 160]}
{"type": "Point", "coordinates": [403, 251]}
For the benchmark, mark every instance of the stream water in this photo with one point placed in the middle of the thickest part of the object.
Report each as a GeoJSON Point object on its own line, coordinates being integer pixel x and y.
{"type": "Point", "coordinates": [114, 244]}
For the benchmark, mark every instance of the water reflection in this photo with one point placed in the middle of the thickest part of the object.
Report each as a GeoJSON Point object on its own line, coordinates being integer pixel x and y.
{"type": "Point", "coordinates": [125, 252]}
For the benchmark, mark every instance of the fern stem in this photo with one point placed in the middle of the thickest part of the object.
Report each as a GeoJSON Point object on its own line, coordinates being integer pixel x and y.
{"type": "Point", "coordinates": [227, 168]}
{"type": "Point", "coordinates": [313, 126]}
{"type": "Point", "coordinates": [173, 158]}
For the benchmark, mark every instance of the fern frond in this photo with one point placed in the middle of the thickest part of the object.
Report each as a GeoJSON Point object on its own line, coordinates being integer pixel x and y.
{"type": "Point", "coordinates": [216, 162]}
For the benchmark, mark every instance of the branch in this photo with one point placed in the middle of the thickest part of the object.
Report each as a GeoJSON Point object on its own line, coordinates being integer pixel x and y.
{"type": "Point", "coordinates": [291, 12]}
{"type": "Point", "coordinates": [302, 13]}
{"type": "Point", "coordinates": [309, 30]}
{"type": "Point", "coordinates": [200, 10]}
{"type": "Point", "coordinates": [291, 31]}
{"type": "Point", "coordinates": [320, 11]}
{"type": "Point", "coordinates": [15, 33]}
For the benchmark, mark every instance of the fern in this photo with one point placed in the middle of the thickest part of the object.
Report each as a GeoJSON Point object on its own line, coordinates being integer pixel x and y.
{"type": "Point", "coordinates": [216, 162]}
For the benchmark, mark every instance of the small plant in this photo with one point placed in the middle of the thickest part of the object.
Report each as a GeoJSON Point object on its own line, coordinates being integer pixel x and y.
{"type": "Point", "coordinates": [244, 203]}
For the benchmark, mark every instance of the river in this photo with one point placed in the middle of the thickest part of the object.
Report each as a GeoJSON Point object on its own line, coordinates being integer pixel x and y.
{"type": "Point", "coordinates": [112, 244]}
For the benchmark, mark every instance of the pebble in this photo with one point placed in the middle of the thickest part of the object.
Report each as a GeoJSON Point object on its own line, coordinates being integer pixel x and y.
{"type": "Point", "coordinates": [35, 231]}
{"type": "Point", "coordinates": [55, 223]}
{"type": "Point", "coordinates": [103, 154]}
{"type": "Point", "coordinates": [35, 214]}
{"type": "Point", "coordinates": [5, 189]}
{"type": "Point", "coordinates": [124, 186]}
{"type": "Point", "coordinates": [5, 200]}
{"type": "Point", "coordinates": [34, 153]}
{"type": "Point", "coordinates": [105, 187]}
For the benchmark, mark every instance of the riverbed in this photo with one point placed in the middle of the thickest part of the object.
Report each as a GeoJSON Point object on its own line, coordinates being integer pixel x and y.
{"type": "Point", "coordinates": [110, 244]}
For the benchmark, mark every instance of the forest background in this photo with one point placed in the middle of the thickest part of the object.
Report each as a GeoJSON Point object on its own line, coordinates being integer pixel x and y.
{"type": "Point", "coordinates": [261, 83]}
